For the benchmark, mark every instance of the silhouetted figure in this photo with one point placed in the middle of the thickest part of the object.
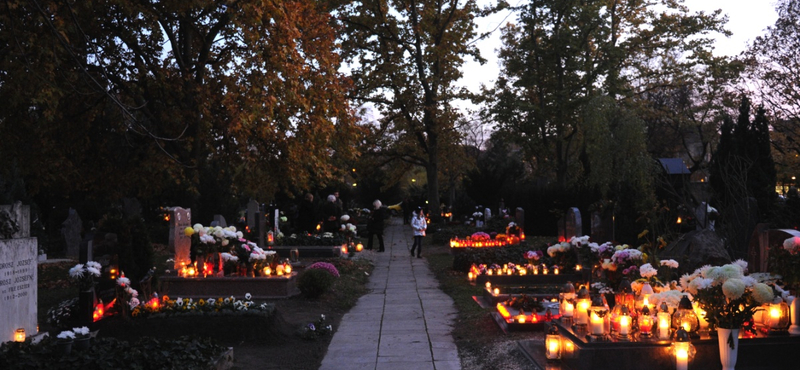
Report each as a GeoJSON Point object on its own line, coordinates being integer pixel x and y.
{"type": "Point", "coordinates": [331, 211]}
{"type": "Point", "coordinates": [307, 217]}
{"type": "Point", "coordinates": [375, 225]}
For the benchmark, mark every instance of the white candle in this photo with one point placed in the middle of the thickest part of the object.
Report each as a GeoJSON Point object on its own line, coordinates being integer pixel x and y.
{"type": "Point", "coordinates": [596, 324]}
{"type": "Point", "coordinates": [569, 309]}
{"type": "Point", "coordinates": [682, 357]}
{"type": "Point", "coordinates": [582, 317]}
{"type": "Point", "coordinates": [624, 325]}
{"type": "Point", "coordinates": [663, 325]}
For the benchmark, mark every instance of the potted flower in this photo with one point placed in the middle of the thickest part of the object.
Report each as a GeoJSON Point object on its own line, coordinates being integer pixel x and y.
{"type": "Point", "coordinates": [729, 299]}
{"type": "Point", "coordinates": [64, 341]}
{"type": "Point", "coordinates": [81, 338]}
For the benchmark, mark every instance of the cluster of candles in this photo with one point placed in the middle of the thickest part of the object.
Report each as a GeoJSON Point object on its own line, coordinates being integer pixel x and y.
{"type": "Point", "coordinates": [282, 269]}
{"type": "Point", "coordinates": [481, 243]}
{"type": "Point", "coordinates": [347, 247]}
{"type": "Point", "coordinates": [511, 269]}
{"type": "Point", "coordinates": [192, 270]}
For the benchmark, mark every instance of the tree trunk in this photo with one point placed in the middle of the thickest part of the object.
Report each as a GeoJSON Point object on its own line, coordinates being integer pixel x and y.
{"type": "Point", "coordinates": [432, 170]}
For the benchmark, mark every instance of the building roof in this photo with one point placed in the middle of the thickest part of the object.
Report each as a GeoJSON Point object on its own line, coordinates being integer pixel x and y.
{"type": "Point", "coordinates": [674, 166]}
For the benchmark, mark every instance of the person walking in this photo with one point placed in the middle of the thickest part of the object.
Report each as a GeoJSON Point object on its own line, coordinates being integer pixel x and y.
{"type": "Point", "coordinates": [375, 225]}
{"type": "Point", "coordinates": [419, 224]}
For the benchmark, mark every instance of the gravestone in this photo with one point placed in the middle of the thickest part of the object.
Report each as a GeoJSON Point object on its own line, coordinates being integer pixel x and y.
{"type": "Point", "coordinates": [71, 230]}
{"type": "Point", "coordinates": [519, 216]}
{"type": "Point", "coordinates": [219, 220]}
{"type": "Point", "coordinates": [572, 223]}
{"type": "Point", "coordinates": [179, 220]}
{"type": "Point", "coordinates": [253, 211]}
{"type": "Point", "coordinates": [487, 214]}
{"type": "Point", "coordinates": [602, 227]}
{"type": "Point", "coordinates": [696, 249]}
{"type": "Point", "coordinates": [18, 279]}
{"type": "Point", "coordinates": [131, 207]}
{"type": "Point", "coordinates": [21, 214]}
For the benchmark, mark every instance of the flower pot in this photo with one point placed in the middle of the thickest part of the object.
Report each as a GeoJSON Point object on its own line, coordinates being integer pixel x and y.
{"type": "Point", "coordinates": [81, 344]}
{"type": "Point", "coordinates": [64, 347]}
{"type": "Point", "coordinates": [794, 309]}
{"type": "Point", "coordinates": [728, 340]}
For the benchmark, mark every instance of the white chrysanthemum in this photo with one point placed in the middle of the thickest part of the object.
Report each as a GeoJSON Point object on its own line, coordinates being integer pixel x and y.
{"type": "Point", "coordinates": [705, 270]}
{"type": "Point", "coordinates": [67, 334]}
{"type": "Point", "coordinates": [762, 293]}
{"type": "Point", "coordinates": [179, 302]}
{"type": "Point", "coordinates": [344, 218]}
{"type": "Point", "coordinates": [239, 234]}
{"type": "Point", "coordinates": [647, 271]}
{"type": "Point", "coordinates": [219, 233]}
{"type": "Point", "coordinates": [741, 263]}
{"type": "Point", "coordinates": [670, 263]}
{"type": "Point", "coordinates": [76, 271]}
{"type": "Point", "coordinates": [225, 242]}
{"type": "Point", "coordinates": [685, 280]}
{"type": "Point", "coordinates": [93, 271]}
{"type": "Point", "coordinates": [197, 227]}
{"type": "Point", "coordinates": [208, 239]}
{"type": "Point", "coordinates": [551, 251]}
{"type": "Point", "coordinates": [730, 271]}
{"type": "Point", "coordinates": [670, 297]}
{"type": "Point", "coordinates": [94, 264]}
{"type": "Point", "coordinates": [248, 296]}
{"type": "Point", "coordinates": [134, 302]}
{"type": "Point", "coordinates": [734, 288]}
{"type": "Point", "coordinates": [749, 281]}
{"type": "Point", "coordinates": [81, 331]}
{"type": "Point", "coordinates": [229, 234]}
{"type": "Point", "coordinates": [123, 281]}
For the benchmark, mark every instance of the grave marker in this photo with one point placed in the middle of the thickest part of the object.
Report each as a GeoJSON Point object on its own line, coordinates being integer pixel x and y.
{"type": "Point", "coordinates": [71, 230]}
{"type": "Point", "coordinates": [219, 220]}
{"type": "Point", "coordinates": [179, 220]}
{"type": "Point", "coordinates": [18, 278]}
{"type": "Point", "coordinates": [253, 210]}
{"type": "Point", "coordinates": [519, 216]}
{"type": "Point", "coordinates": [572, 224]}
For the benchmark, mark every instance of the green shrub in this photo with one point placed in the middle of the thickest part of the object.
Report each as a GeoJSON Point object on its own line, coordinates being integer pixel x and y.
{"type": "Point", "coordinates": [315, 282]}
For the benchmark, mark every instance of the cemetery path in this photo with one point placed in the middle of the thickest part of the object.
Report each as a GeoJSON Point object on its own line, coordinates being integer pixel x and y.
{"type": "Point", "coordinates": [404, 322]}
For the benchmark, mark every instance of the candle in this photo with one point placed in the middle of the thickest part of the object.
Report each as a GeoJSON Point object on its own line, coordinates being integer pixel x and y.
{"type": "Point", "coordinates": [569, 309]}
{"type": "Point", "coordinates": [624, 325]}
{"type": "Point", "coordinates": [553, 346]}
{"type": "Point", "coordinates": [663, 325]}
{"type": "Point", "coordinates": [555, 270]}
{"type": "Point", "coordinates": [496, 291]}
{"type": "Point", "coordinates": [596, 324]}
{"type": "Point", "coordinates": [582, 318]}
{"type": "Point", "coordinates": [682, 357]}
{"type": "Point", "coordinates": [645, 324]}
{"type": "Point", "coordinates": [19, 335]}
{"type": "Point", "coordinates": [470, 276]}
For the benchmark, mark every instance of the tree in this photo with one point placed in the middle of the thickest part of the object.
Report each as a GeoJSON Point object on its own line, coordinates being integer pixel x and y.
{"type": "Point", "coordinates": [773, 61]}
{"type": "Point", "coordinates": [168, 88]}
{"type": "Point", "coordinates": [563, 54]}
{"type": "Point", "coordinates": [404, 58]}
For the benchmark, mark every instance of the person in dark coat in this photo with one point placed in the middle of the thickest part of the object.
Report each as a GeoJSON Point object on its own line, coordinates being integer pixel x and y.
{"type": "Point", "coordinates": [307, 217]}
{"type": "Point", "coordinates": [331, 212]}
{"type": "Point", "coordinates": [375, 225]}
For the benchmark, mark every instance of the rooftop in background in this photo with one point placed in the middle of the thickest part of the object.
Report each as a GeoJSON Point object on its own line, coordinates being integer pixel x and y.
{"type": "Point", "coordinates": [674, 166]}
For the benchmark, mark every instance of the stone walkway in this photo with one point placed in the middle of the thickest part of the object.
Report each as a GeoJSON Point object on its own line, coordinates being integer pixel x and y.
{"type": "Point", "coordinates": [404, 322]}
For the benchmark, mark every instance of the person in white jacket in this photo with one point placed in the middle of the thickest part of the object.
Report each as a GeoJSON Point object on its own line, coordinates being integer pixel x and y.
{"type": "Point", "coordinates": [419, 224]}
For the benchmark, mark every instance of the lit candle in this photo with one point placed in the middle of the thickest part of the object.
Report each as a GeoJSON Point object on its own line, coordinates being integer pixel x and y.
{"type": "Point", "coordinates": [535, 270]}
{"type": "Point", "coordinates": [624, 325]}
{"type": "Point", "coordinates": [19, 335]}
{"type": "Point", "coordinates": [596, 324]}
{"type": "Point", "coordinates": [553, 347]}
{"type": "Point", "coordinates": [577, 267]}
{"type": "Point", "coordinates": [496, 291]}
{"type": "Point", "coordinates": [488, 285]}
{"type": "Point", "coordinates": [470, 276]}
{"type": "Point", "coordinates": [521, 319]}
{"type": "Point", "coordinates": [555, 270]}
{"type": "Point", "coordinates": [682, 357]}
{"type": "Point", "coordinates": [663, 325]}
{"type": "Point", "coordinates": [582, 317]}
{"type": "Point", "coordinates": [645, 324]}
{"type": "Point", "coordinates": [544, 271]}
{"type": "Point", "coordinates": [569, 309]}
{"type": "Point", "coordinates": [489, 272]}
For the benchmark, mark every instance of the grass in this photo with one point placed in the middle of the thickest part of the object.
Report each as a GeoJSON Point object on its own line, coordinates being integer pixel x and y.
{"type": "Point", "coordinates": [481, 343]}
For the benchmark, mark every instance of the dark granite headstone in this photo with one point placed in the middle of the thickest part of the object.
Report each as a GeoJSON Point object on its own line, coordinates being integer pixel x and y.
{"type": "Point", "coordinates": [219, 220]}
{"type": "Point", "coordinates": [602, 227]}
{"type": "Point", "coordinates": [519, 217]}
{"type": "Point", "coordinates": [131, 207]}
{"type": "Point", "coordinates": [696, 249]}
{"type": "Point", "coordinates": [71, 230]}
{"type": "Point", "coordinates": [253, 210]}
{"type": "Point", "coordinates": [572, 223]}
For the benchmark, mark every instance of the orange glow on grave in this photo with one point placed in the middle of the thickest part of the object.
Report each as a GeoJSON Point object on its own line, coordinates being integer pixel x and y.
{"type": "Point", "coordinates": [503, 311]}
{"type": "Point", "coordinates": [166, 217]}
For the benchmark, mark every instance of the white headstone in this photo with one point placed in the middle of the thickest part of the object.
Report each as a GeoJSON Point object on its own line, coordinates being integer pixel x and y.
{"type": "Point", "coordinates": [18, 279]}
{"type": "Point", "coordinates": [179, 220]}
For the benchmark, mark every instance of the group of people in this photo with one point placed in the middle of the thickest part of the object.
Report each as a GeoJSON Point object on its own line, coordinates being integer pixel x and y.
{"type": "Point", "coordinates": [329, 215]}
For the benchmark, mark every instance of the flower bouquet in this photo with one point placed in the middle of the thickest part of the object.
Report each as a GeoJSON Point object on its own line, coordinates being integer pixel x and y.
{"type": "Point", "coordinates": [83, 275]}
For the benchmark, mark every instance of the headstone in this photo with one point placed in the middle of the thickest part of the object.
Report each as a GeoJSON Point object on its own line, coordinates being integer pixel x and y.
{"type": "Point", "coordinates": [179, 220]}
{"type": "Point", "coordinates": [262, 226]}
{"type": "Point", "coordinates": [253, 210]}
{"type": "Point", "coordinates": [131, 207]}
{"type": "Point", "coordinates": [71, 230]}
{"type": "Point", "coordinates": [696, 249]}
{"type": "Point", "coordinates": [18, 279]}
{"type": "Point", "coordinates": [519, 216]}
{"type": "Point", "coordinates": [21, 215]}
{"type": "Point", "coordinates": [602, 227]}
{"type": "Point", "coordinates": [276, 221]}
{"type": "Point", "coordinates": [220, 221]}
{"type": "Point", "coordinates": [572, 223]}
{"type": "Point", "coordinates": [487, 214]}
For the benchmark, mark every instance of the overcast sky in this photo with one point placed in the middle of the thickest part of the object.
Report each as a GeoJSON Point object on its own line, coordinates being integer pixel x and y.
{"type": "Point", "coordinates": [746, 20]}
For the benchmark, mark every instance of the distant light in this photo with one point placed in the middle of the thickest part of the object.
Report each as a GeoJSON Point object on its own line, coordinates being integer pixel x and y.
{"type": "Point", "coordinates": [413, 180]}
{"type": "Point", "coordinates": [794, 178]}
{"type": "Point", "coordinates": [354, 170]}
{"type": "Point", "coordinates": [355, 184]}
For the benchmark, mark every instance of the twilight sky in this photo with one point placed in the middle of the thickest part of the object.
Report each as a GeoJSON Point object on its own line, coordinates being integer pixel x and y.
{"type": "Point", "coordinates": [746, 20]}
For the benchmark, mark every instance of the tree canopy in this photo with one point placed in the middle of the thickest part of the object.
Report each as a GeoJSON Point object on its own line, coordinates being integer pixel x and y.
{"type": "Point", "coordinates": [131, 97]}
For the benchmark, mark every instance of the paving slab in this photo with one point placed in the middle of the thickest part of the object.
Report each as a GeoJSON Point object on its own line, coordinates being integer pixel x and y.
{"type": "Point", "coordinates": [403, 323]}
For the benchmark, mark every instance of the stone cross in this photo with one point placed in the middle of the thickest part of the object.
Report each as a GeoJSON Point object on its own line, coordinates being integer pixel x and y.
{"type": "Point", "coordinates": [71, 230]}
{"type": "Point", "coordinates": [179, 220]}
{"type": "Point", "coordinates": [18, 279]}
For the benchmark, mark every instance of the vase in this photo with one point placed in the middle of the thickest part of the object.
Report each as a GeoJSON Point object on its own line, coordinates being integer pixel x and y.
{"type": "Point", "coordinates": [81, 344]}
{"type": "Point", "coordinates": [64, 347]}
{"type": "Point", "coordinates": [794, 310]}
{"type": "Point", "coordinates": [728, 340]}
